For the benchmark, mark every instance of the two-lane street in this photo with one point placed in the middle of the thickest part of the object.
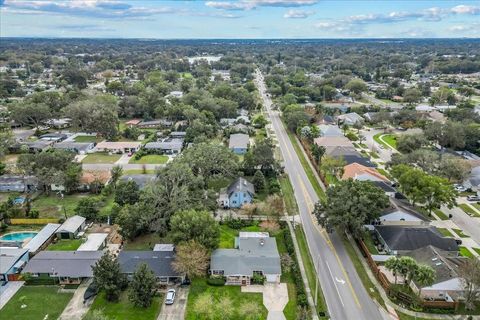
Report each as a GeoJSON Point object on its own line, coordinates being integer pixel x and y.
{"type": "Point", "coordinates": [344, 293]}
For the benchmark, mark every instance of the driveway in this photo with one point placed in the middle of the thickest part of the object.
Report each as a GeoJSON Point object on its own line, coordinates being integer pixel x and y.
{"type": "Point", "coordinates": [384, 153]}
{"type": "Point", "coordinates": [123, 159]}
{"type": "Point", "coordinates": [8, 291]}
{"type": "Point", "coordinates": [177, 310]}
{"type": "Point", "coordinates": [76, 309]}
{"type": "Point", "coordinates": [275, 298]}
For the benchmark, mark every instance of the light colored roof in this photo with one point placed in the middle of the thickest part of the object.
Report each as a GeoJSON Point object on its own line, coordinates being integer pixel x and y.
{"type": "Point", "coordinates": [174, 144]}
{"type": "Point", "coordinates": [41, 237]}
{"type": "Point", "coordinates": [133, 122]}
{"type": "Point", "coordinates": [97, 175]}
{"type": "Point", "coordinates": [330, 130]}
{"type": "Point", "coordinates": [399, 215]}
{"type": "Point", "coordinates": [94, 242]}
{"type": "Point", "coordinates": [8, 257]}
{"type": "Point", "coordinates": [71, 224]}
{"type": "Point", "coordinates": [238, 140]}
{"type": "Point", "coordinates": [118, 144]}
{"type": "Point", "coordinates": [248, 234]}
{"type": "Point", "coordinates": [352, 116]}
{"type": "Point", "coordinates": [333, 141]}
{"type": "Point", "coordinates": [79, 146]}
{"type": "Point", "coordinates": [64, 263]}
{"type": "Point", "coordinates": [253, 254]}
{"type": "Point", "coordinates": [357, 171]}
{"type": "Point", "coordinates": [241, 185]}
{"type": "Point", "coordinates": [163, 247]}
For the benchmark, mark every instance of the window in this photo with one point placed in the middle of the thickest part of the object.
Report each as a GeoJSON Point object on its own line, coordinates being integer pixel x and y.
{"type": "Point", "coordinates": [234, 202]}
{"type": "Point", "coordinates": [217, 272]}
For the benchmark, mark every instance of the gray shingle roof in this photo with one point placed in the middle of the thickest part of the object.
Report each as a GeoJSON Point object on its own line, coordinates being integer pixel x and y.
{"type": "Point", "coordinates": [71, 224]}
{"type": "Point", "coordinates": [64, 263]}
{"type": "Point", "coordinates": [241, 185]}
{"type": "Point", "coordinates": [8, 257]}
{"type": "Point", "coordinates": [160, 262]}
{"type": "Point", "coordinates": [238, 140]}
{"type": "Point", "coordinates": [44, 234]}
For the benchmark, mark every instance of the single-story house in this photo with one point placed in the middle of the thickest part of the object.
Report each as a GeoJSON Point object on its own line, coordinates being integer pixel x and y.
{"type": "Point", "coordinates": [118, 147]}
{"type": "Point", "coordinates": [256, 254]}
{"type": "Point", "coordinates": [95, 241]}
{"type": "Point", "coordinates": [240, 128]}
{"type": "Point", "coordinates": [243, 119]}
{"type": "Point", "coordinates": [350, 118]}
{"type": "Point", "coordinates": [12, 261]}
{"type": "Point", "coordinates": [175, 94]}
{"type": "Point", "coordinates": [333, 140]}
{"type": "Point", "coordinates": [401, 213]}
{"type": "Point", "coordinates": [70, 267]}
{"type": "Point", "coordinates": [403, 239]}
{"type": "Point", "coordinates": [227, 122]}
{"type": "Point", "coordinates": [239, 143]}
{"type": "Point", "coordinates": [160, 262]}
{"type": "Point", "coordinates": [89, 178]}
{"type": "Point", "coordinates": [237, 194]}
{"type": "Point", "coordinates": [77, 147]}
{"type": "Point", "coordinates": [448, 284]}
{"type": "Point", "coordinates": [140, 179]}
{"type": "Point", "coordinates": [55, 137]}
{"type": "Point", "coordinates": [329, 130]}
{"type": "Point", "coordinates": [10, 183]}
{"type": "Point", "coordinates": [42, 239]}
{"type": "Point", "coordinates": [348, 154]}
{"type": "Point", "coordinates": [326, 119]}
{"type": "Point", "coordinates": [386, 187]}
{"type": "Point", "coordinates": [71, 227]}
{"type": "Point", "coordinates": [167, 146]}
{"type": "Point", "coordinates": [33, 146]}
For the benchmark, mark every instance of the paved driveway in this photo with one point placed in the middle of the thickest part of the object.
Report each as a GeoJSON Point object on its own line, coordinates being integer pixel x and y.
{"type": "Point", "coordinates": [8, 291]}
{"type": "Point", "coordinates": [175, 311]}
{"type": "Point", "coordinates": [275, 298]}
{"type": "Point", "coordinates": [76, 309]}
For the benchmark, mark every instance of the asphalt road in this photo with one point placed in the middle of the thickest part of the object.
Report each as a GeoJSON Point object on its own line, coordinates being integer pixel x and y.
{"type": "Point", "coordinates": [344, 292]}
{"type": "Point", "coordinates": [384, 153]}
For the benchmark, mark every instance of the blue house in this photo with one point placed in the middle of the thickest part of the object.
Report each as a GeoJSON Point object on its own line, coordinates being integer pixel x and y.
{"type": "Point", "coordinates": [12, 261]}
{"type": "Point", "coordinates": [239, 143]}
{"type": "Point", "coordinates": [240, 192]}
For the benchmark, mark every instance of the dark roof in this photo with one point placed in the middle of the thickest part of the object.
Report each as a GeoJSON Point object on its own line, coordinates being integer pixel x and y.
{"type": "Point", "coordinates": [386, 187]}
{"type": "Point", "coordinates": [407, 238]}
{"type": "Point", "coordinates": [64, 263]}
{"type": "Point", "coordinates": [140, 179]}
{"type": "Point", "coordinates": [241, 185]}
{"type": "Point", "coordinates": [160, 262]}
{"type": "Point", "coordinates": [354, 158]}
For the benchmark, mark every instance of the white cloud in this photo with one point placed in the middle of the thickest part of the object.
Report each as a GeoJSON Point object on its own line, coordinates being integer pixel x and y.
{"type": "Point", "coordinates": [338, 27]}
{"type": "Point", "coordinates": [252, 4]}
{"type": "Point", "coordinates": [298, 14]}
{"type": "Point", "coordinates": [463, 9]}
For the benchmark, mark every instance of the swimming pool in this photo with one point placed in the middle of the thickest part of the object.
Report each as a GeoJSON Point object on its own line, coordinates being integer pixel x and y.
{"type": "Point", "coordinates": [18, 236]}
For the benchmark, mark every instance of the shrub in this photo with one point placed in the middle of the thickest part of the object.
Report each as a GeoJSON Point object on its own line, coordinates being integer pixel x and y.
{"type": "Point", "coordinates": [351, 136]}
{"type": "Point", "coordinates": [258, 279]}
{"type": "Point", "coordinates": [237, 223]}
{"type": "Point", "coordinates": [216, 281]}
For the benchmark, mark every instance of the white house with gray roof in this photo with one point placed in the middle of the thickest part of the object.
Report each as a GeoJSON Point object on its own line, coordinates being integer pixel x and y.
{"type": "Point", "coordinates": [253, 254]}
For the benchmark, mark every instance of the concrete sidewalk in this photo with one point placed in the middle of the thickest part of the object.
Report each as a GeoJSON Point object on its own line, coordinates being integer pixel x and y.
{"type": "Point", "coordinates": [8, 291]}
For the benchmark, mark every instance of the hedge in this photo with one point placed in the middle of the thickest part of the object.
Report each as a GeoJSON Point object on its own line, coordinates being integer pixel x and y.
{"type": "Point", "coordinates": [32, 221]}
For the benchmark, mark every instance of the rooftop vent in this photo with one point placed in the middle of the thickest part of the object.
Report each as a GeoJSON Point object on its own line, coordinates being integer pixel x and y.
{"type": "Point", "coordinates": [262, 241]}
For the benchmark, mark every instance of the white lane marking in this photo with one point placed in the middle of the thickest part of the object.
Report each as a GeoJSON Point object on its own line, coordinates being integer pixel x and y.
{"type": "Point", "coordinates": [335, 283]}
{"type": "Point", "coordinates": [340, 280]}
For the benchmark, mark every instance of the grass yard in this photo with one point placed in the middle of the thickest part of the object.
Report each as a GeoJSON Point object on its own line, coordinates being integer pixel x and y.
{"type": "Point", "coordinates": [150, 159]}
{"type": "Point", "coordinates": [310, 269]}
{"type": "Point", "coordinates": [465, 252]}
{"type": "Point", "coordinates": [87, 139]}
{"type": "Point", "coordinates": [460, 233]}
{"type": "Point", "coordinates": [374, 155]}
{"type": "Point", "coordinates": [101, 158]}
{"type": "Point", "coordinates": [51, 206]}
{"type": "Point", "coordinates": [227, 235]}
{"type": "Point", "coordinates": [124, 309]}
{"type": "Point", "coordinates": [367, 239]}
{"type": "Point", "coordinates": [445, 232]}
{"type": "Point", "coordinates": [306, 166]}
{"type": "Point", "coordinates": [387, 140]}
{"type": "Point", "coordinates": [477, 250]}
{"type": "Point", "coordinates": [217, 183]}
{"type": "Point", "coordinates": [384, 173]}
{"type": "Point", "coordinates": [476, 205]}
{"type": "Point", "coordinates": [145, 242]}
{"type": "Point", "coordinates": [200, 287]}
{"type": "Point", "coordinates": [65, 245]}
{"type": "Point", "coordinates": [288, 195]}
{"type": "Point", "coordinates": [468, 210]}
{"type": "Point", "coordinates": [42, 302]}
{"type": "Point", "coordinates": [440, 214]}
{"type": "Point", "coordinates": [138, 171]}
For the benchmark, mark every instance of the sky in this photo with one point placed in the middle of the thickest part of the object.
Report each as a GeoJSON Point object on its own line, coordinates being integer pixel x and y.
{"type": "Point", "coordinates": [247, 19]}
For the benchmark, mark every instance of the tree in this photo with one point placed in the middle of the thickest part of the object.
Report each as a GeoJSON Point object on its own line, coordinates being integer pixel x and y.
{"type": "Point", "coordinates": [127, 192]}
{"type": "Point", "coordinates": [393, 265]}
{"type": "Point", "coordinates": [350, 205]}
{"type": "Point", "coordinates": [412, 95]}
{"type": "Point", "coordinates": [407, 143]}
{"type": "Point", "coordinates": [142, 287]}
{"type": "Point", "coordinates": [87, 208]}
{"type": "Point", "coordinates": [317, 152]}
{"type": "Point", "coordinates": [192, 259]}
{"type": "Point", "coordinates": [6, 140]}
{"type": "Point", "coordinates": [333, 166]}
{"type": "Point", "coordinates": [108, 277]}
{"type": "Point", "coordinates": [132, 220]}
{"type": "Point", "coordinates": [408, 179]}
{"type": "Point", "coordinates": [424, 276]}
{"type": "Point", "coordinates": [295, 118]}
{"type": "Point", "coordinates": [116, 172]}
{"type": "Point", "coordinates": [199, 226]}
{"type": "Point", "coordinates": [357, 86]}
{"type": "Point", "coordinates": [29, 113]}
{"type": "Point", "coordinates": [470, 275]}
{"type": "Point", "coordinates": [454, 169]}
{"type": "Point", "coordinates": [407, 268]}
{"type": "Point", "coordinates": [204, 306]}
{"type": "Point", "coordinates": [258, 181]}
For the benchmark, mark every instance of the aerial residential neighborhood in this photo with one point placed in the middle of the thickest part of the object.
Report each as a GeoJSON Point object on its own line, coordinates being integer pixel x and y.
{"type": "Point", "coordinates": [250, 160]}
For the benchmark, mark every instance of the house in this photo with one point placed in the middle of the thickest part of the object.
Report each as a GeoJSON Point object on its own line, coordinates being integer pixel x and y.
{"type": "Point", "coordinates": [403, 239]}
{"type": "Point", "coordinates": [71, 227]}
{"type": "Point", "coordinates": [240, 128]}
{"type": "Point", "coordinates": [327, 120]}
{"type": "Point", "coordinates": [33, 146]}
{"type": "Point", "coordinates": [14, 183]}
{"type": "Point", "coordinates": [386, 187]}
{"type": "Point", "coordinates": [243, 119]}
{"type": "Point", "coordinates": [448, 284]}
{"type": "Point", "coordinates": [77, 147]}
{"type": "Point", "coordinates": [350, 118]}
{"type": "Point", "coordinates": [329, 130]}
{"type": "Point", "coordinates": [12, 260]}
{"type": "Point", "coordinates": [42, 239]}
{"type": "Point", "coordinates": [239, 143]}
{"type": "Point", "coordinates": [401, 212]}
{"type": "Point", "coordinates": [226, 122]}
{"type": "Point", "coordinates": [159, 261]}
{"type": "Point", "coordinates": [118, 147]}
{"type": "Point", "coordinates": [348, 154]}
{"type": "Point", "coordinates": [55, 137]}
{"type": "Point", "coordinates": [237, 194]}
{"type": "Point", "coordinates": [333, 140]}
{"type": "Point", "coordinates": [175, 94]}
{"type": "Point", "coordinates": [95, 241]}
{"type": "Point", "coordinates": [359, 172]}
{"type": "Point", "coordinates": [70, 267]}
{"type": "Point", "coordinates": [140, 179]}
{"type": "Point", "coordinates": [253, 254]}
{"type": "Point", "coordinates": [132, 123]}
{"type": "Point", "coordinates": [177, 135]}
{"type": "Point", "coordinates": [167, 146]}
{"type": "Point", "coordinates": [160, 123]}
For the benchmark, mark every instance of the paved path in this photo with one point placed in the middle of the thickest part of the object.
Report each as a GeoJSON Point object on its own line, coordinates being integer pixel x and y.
{"type": "Point", "coordinates": [123, 159]}
{"type": "Point", "coordinates": [385, 154]}
{"type": "Point", "coordinates": [275, 298]}
{"type": "Point", "coordinates": [76, 309]}
{"type": "Point", "coordinates": [129, 166]}
{"type": "Point", "coordinates": [8, 291]}
{"type": "Point", "coordinates": [175, 311]}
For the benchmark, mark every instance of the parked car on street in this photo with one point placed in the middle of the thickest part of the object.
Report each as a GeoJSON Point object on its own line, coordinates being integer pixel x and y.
{"type": "Point", "coordinates": [473, 198]}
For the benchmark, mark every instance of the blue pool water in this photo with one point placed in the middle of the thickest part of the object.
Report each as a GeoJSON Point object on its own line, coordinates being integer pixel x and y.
{"type": "Point", "coordinates": [19, 236]}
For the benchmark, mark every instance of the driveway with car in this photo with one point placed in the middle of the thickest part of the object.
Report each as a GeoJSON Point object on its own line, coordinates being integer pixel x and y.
{"type": "Point", "coordinates": [177, 309]}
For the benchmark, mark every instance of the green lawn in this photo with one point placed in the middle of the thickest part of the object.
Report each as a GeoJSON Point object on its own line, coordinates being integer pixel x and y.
{"type": "Point", "coordinates": [125, 310]}
{"type": "Point", "coordinates": [468, 210]}
{"type": "Point", "coordinates": [367, 239]}
{"type": "Point", "coordinates": [374, 155]}
{"type": "Point", "coordinates": [288, 195]}
{"type": "Point", "coordinates": [477, 250]}
{"type": "Point", "coordinates": [384, 173]}
{"type": "Point", "coordinates": [150, 159]}
{"type": "Point", "coordinates": [101, 158]}
{"type": "Point", "coordinates": [465, 252]}
{"type": "Point", "coordinates": [440, 214]}
{"type": "Point", "coordinates": [310, 269]}
{"type": "Point", "coordinates": [217, 183]}
{"type": "Point", "coordinates": [51, 206]}
{"type": "Point", "coordinates": [65, 245]}
{"type": "Point", "coordinates": [477, 206]}
{"type": "Point", "coordinates": [87, 139]}
{"type": "Point", "coordinates": [308, 170]}
{"type": "Point", "coordinates": [42, 302]}
{"type": "Point", "coordinates": [237, 298]}
{"type": "Point", "coordinates": [445, 232]}
{"type": "Point", "coordinates": [460, 233]}
{"type": "Point", "coordinates": [389, 140]}
{"type": "Point", "coordinates": [145, 242]}
{"type": "Point", "coordinates": [227, 235]}
{"type": "Point", "coordinates": [138, 171]}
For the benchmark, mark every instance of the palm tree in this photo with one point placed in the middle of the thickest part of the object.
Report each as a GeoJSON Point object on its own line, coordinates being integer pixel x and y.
{"type": "Point", "coordinates": [424, 276]}
{"type": "Point", "coordinates": [393, 264]}
{"type": "Point", "coordinates": [407, 268]}
{"type": "Point", "coordinates": [116, 173]}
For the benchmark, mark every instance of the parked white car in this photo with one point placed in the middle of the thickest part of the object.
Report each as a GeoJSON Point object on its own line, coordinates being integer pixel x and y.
{"type": "Point", "coordinates": [170, 298]}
